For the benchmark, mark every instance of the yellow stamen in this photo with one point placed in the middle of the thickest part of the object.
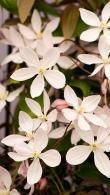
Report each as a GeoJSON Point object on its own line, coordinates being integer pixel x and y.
{"type": "Point", "coordinates": [102, 24]}
{"type": "Point", "coordinates": [3, 95]}
{"type": "Point", "coordinates": [41, 70]}
{"type": "Point", "coordinates": [36, 154]}
{"type": "Point", "coordinates": [42, 117]}
{"type": "Point", "coordinates": [81, 109]}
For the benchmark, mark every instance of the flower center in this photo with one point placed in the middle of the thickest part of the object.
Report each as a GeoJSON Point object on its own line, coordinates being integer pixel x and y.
{"type": "Point", "coordinates": [29, 134]}
{"type": "Point", "coordinates": [3, 95]}
{"type": "Point", "coordinates": [42, 117]}
{"type": "Point", "coordinates": [36, 154]}
{"type": "Point", "coordinates": [81, 109]}
{"type": "Point", "coordinates": [102, 24]}
{"type": "Point", "coordinates": [41, 70]}
{"type": "Point", "coordinates": [106, 61]}
{"type": "Point", "coordinates": [93, 146]}
{"type": "Point", "coordinates": [39, 35]}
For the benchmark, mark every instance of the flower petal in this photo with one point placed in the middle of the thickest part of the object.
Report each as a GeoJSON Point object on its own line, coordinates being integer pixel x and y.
{"type": "Point", "coordinates": [51, 157]}
{"type": "Point", "coordinates": [26, 32]}
{"type": "Point", "coordinates": [17, 157]}
{"type": "Point", "coordinates": [89, 59]}
{"type": "Point", "coordinates": [23, 74]}
{"type": "Point", "coordinates": [52, 116]}
{"type": "Point", "coordinates": [106, 12]}
{"type": "Point", "coordinates": [14, 192]}
{"type": "Point", "coordinates": [57, 133]}
{"type": "Point", "coordinates": [69, 114]}
{"type": "Point", "coordinates": [97, 69]}
{"type": "Point", "coordinates": [52, 25]}
{"type": "Point", "coordinates": [25, 122]}
{"type": "Point", "coordinates": [95, 119]}
{"type": "Point", "coordinates": [102, 135]}
{"type": "Point", "coordinates": [40, 140]}
{"type": "Point", "coordinates": [107, 71]}
{"type": "Point", "coordinates": [46, 102]}
{"type": "Point", "coordinates": [34, 172]}
{"type": "Point", "coordinates": [14, 57]}
{"type": "Point", "coordinates": [15, 37]}
{"type": "Point", "coordinates": [14, 94]}
{"type": "Point", "coordinates": [37, 86]}
{"type": "Point", "coordinates": [65, 62]}
{"type": "Point", "coordinates": [11, 140]}
{"type": "Point", "coordinates": [82, 123]}
{"type": "Point", "coordinates": [103, 47]}
{"type": "Point", "coordinates": [78, 154]}
{"type": "Point", "coordinates": [55, 78]}
{"type": "Point", "coordinates": [5, 178]}
{"type": "Point", "coordinates": [36, 21]}
{"type": "Point", "coordinates": [34, 106]}
{"type": "Point", "coordinates": [75, 138]}
{"type": "Point", "coordinates": [90, 103]}
{"type": "Point", "coordinates": [86, 136]}
{"type": "Point", "coordinates": [90, 34]}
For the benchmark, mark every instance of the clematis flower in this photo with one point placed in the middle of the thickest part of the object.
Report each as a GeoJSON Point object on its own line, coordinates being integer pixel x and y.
{"type": "Point", "coordinates": [41, 68]}
{"type": "Point", "coordinates": [33, 151]}
{"type": "Point", "coordinates": [5, 183]}
{"type": "Point", "coordinates": [103, 61]}
{"type": "Point", "coordinates": [97, 25]}
{"type": "Point", "coordinates": [83, 111]}
{"type": "Point", "coordinates": [78, 154]}
{"type": "Point", "coordinates": [44, 118]}
{"type": "Point", "coordinates": [6, 96]}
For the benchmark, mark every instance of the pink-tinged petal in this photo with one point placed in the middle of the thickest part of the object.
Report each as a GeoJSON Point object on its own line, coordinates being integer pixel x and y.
{"type": "Point", "coordinates": [36, 21]}
{"type": "Point", "coordinates": [52, 25]}
{"type": "Point", "coordinates": [57, 133]}
{"type": "Point", "coordinates": [34, 172]}
{"type": "Point", "coordinates": [78, 154]}
{"type": "Point", "coordinates": [90, 34]}
{"type": "Point", "coordinates": [46, 102]}
{"type": "Point", "coordinates": [59, 104]}
{"type": "Point", "coordinates": [30, 57]}
{"type": "Point", "coordinates": [82, 123]}
{"type": "Point", "coordinates": [17, 157]}
{"type": "Point", "coordinates": [5, 178]}
{"type": "Point", "coordinates": [55, 78]}
{"type": "Point", "coordinates": [107, 71]}
{"type": "Point", "coordinates": [25, 122]}
{"type": "Point", "coordinates": [95, 119]}
{"type": "Point", "coordinates": [75, 138]}
{"type": "Point", "coordinates": [26, 32]}
{"type": "Point", "coordinates": [70, 97]}
{"type": "Point", "coordinates": [97, 69]}
{"type": "Point", "coordinates": [37, 86]}
{"type": "Point", "coordinates": [102, 162]}
{"type": "Point", "coordinates": [2, 104]}
{"type": "Point", "coordinates": [89, 17]}
{"type": "Point", "coordinates": [89, 59]}
{"type": "Point", "coordinates": [15, 37]}
{"type": "Point", "coordinates": [90, 103]}
{"type": "Point", "coordinates": [51, 158]}
{"type": "Point", "coordinates": [50, 60]}
{"type": "Point", "coordinates": [14, 139]}
{"type": "Point", "coordinates": [106, 12]}
{"type": "Point", "coordinates": [14, 57]}
{"type": "Point", "coordinates": [103, 47]}
{"type": "Point", "coordinates": [23, 74]}
{"type": "Point", "coordinates": [14, 192]}
{"type": "Point", "coordinates": [69, 114]}
{"type": "Point", "coordinates": [65, 45]}
{"type": "Point", "coordinates": [52, 116]}
{"type": "Point", "coordinates": [14, 94]}
{"type": "Point", "coordinates": [34, 106]}
{"type": "Point", "coordinates": [86, 136]}
{"type": "Point", "coordinates": [65, 62]}
{"type": "Point", "coordinates": [40, 140]}
{"type": "Point", "coordinates": [102, 135]}
{"type": "Point", "coordinates": [46, 126]}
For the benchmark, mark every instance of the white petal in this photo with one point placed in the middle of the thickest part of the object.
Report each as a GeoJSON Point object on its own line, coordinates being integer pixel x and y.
{"type": "Point", "coordinates": [64, 46]}
{"type": "Point", "coordinates": [46, 102]}
{"type": "Point", "coordinates": [103, 47]}
{"type": "Point", "coordinates": [53, 24]}
{"type": "Point", "coordinates": [14, 94]}
{"type": "Point", "coordinates": [102, 135]}
{"type": "Point", "coordinates": [89, 17]}
{"type": "Point", "coordinates": [90, 103]}
{"type": "Point", "coordinates": [106, 12]}
{"type": "Point", "coordinates": [71, 97]}
{"type": "Point", "coordinates": [34, 106]}
{"type": "Point", "coordinates": [69, 114]}
{"type": "Point", "coordinates": [65, 62]}
{"type": "Point", "coordinates": [30, 57]}
{"type": "Point", "coordinates": [87, 136]}
{"type": "Point", "coordinates": [34, 172]}
{"type": "Point", "coordinates": [106, 32]}
{"type": "Point", "coordinates": [15, 37]}
{"type": "Point", "coordinates": [14, 192]}
{"type": "Point", "coordinates": [107, 71]}
{"type": "Point", "coordinates": [25, 121]}
{"type": "Point", "coordinates": [17, 157]}
{"type": "Point", "coordinates": [102, 162]}
{"type": "Point", "coordinates": [14, 57]}
{"type": "Point", "coordinates": [37, 86]}
{"type": "Point", "coordinates": [5, 178]}
{"type": "Point", "coordinates": [36, 21]}
{"type": "Point", "coordinates": [23, 74]}
{"type": "Point", "coordinates": [11, 140]}
{"type": "Point", "coordinates": [51, 157]}
{"type": "Point", "coordinates": [26, 32]}
{"type": "Point", "coordinates": [90, 34]}
{"type": "Point", "coordinates": [55, 78]}
{"type": "Point", "coordinates": [52, 116]}
{"type": "Point", "coordinates": [2, 88]}
{"type": "Point", "coordinates": [78, 154]}
{"type": "Point", "coordinates": [36, 123]}
{"type": "Point", "coordinates": [89, 59]}
{"type": "Point", "coordinates": [2, 104]}
{"type": "Point", "coordinates": [75, 138]}
{"type": "Point", "coordinates": [57, 133]}
{"type": "Point", "coordinates": [95, 119]}
{"type": "Point", "coordinates": [40, 140]}
{"type": "Point", "coordinates": [97, 69]}
{"type": "Point", "coordinates": [82, 123]}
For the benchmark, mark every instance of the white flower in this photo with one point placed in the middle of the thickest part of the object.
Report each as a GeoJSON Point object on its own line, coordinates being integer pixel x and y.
{"type": "Point", "coordinates": [6, 96]}
{"type": "Point", "coordinates": [103, 61]}
{"type": "Point", "coordinates": [44, 118]}
{"type": "Point", "coordinates": [33, 151]}
{"type": "Point", "coordinates": [80, 153]}
{"type": "Point", "coordinates": [83, 111]}
{"type": "Point", "coordinates": [5, 183]}
{"type": "Point", "coordinates": [98, 25]}
{"type": "Point", "coordinates": [41, 68]}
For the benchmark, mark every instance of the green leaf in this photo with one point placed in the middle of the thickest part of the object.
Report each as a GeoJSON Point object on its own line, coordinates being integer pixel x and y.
{"type": "Point", "coordinates": [83, 85]}
{"type": "Point", "coordinates": [10, 5]}
{"type": "Point", "coordinates": [81, 26]}
{"type": "Point", "coordinates": [69, 20]}
{"type": "Point", "coordinates": [46, 8]}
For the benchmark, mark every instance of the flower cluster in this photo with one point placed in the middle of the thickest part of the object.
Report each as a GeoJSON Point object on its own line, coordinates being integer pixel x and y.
{"type": "Point", "coordinates": [42, 61]}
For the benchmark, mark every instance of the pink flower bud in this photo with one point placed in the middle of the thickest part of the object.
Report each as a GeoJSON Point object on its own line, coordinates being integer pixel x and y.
{"type": "Point", "coordinates": [23, 169]}
{"type": "Point", "coordinates": [59, 104]}
{"type": "Point", "coordinates": [42, 183]}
